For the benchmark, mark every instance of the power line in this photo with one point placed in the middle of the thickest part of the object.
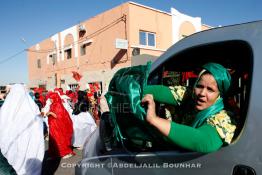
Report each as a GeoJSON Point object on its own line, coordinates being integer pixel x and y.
{"type": "Point", "coordinates": [92, 35]}
{"type": "Point", "coordinates": [11, 57]}
{"type": "Point", "coordinates": [122, 18]}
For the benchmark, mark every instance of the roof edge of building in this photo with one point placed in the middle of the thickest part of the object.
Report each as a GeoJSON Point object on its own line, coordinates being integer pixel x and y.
{"type": "Point", "coordinates": [151, 8]}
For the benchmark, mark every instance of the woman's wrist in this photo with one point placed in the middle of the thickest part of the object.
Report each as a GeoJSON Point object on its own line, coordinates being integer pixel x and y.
{"type": "Point", "coordinates": [153, 120]}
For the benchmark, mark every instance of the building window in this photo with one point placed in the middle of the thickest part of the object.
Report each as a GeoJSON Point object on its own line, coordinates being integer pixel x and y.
{"type": "Point", "coordinates": [43, 86]}
{"type": "Point", "coordinates": [142, 38]}
{"type": "Point", "coordinates": [38, 63]}
{"type": "Point", "coordinates": [147, 38]}
{"type": "Point", "coordinates": [84, 45]}
{"type": "Point", "coordinates": [62, 81]}
{"type": "Point", "coordinates": [73, 87]}
{"type": "Point", "coordinates": [68, 53]}
{"type": "Point", "coordinates": [2, 89]}
{"type": "Point", "coordinates": [53, 58]}
{"type": "Point", "coordinates": [83, 49]}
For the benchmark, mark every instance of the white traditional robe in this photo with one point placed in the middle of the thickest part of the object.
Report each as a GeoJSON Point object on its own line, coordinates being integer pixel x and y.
{"type": "Point", "coordinates": [84, 125]}
{"type": "Point", "coordinates": [21, 132]}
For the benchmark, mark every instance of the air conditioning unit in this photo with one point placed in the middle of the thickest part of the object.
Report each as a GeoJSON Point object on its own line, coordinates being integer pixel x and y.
{"type": "Point", "coordinates": [82, 28]}
{"type": "Point", "coordinates": [136, 51]}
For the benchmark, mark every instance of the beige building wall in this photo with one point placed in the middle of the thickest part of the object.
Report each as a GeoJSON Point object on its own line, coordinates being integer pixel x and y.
{"type": "Point", "coordinates": [95, 65]}
{"type": "Point", "coordinates": [150, 20]}
{"type": "Point", "coordinates": [186, 29]}
{"type": "Point", "coordinates": [49, 65]}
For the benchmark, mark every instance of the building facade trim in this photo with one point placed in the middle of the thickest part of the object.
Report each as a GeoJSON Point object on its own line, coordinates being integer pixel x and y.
{"type": "Point", "coordinates": [55, 39]}
{"type": "Point", "coordinates": [147, 48]}
{"type": "Point", "coordinates": [178, 19]}
{"type": "Point", "coordinates": [73, 31]}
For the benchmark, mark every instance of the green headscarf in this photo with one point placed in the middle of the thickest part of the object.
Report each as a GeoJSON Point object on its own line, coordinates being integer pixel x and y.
{"type": "Point", "coordinates": [223, 80]}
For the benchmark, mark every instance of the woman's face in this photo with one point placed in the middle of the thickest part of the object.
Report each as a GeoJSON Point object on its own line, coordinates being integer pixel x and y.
{"type": "Point", "coordinates": [206, 92]}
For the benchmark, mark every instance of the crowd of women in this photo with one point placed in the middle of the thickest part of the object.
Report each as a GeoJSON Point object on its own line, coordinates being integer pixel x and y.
{"type": "Point", "coordinates": [27, 117]}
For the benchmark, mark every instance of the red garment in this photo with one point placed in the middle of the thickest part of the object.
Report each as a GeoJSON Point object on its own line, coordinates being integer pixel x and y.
{"type": "Point", "coordinates": [72, 95]}
{"type": "Point", "coordinates": [60, 129]}
{"type": "Point", "coordinates": [39, 90]}
{"type": "Point", "coordinates": [92, 88]}
{"type": "Point", "coordinates": [60, 90]}
{"type": "Point", "coordinates": [165, 74]}
{"type": "Point", "coordinates": [76, 76]}
{"type": "Point", "coordinates": [90, 94]}
{"type": "Point", "coordinates": [187, 75]}
{"type": "Point", "coordinates": [47, 95]}
{"type": "Point", "coordinates": [97, 86]}
{"type": "Point", "coordinates": [68, 92]}
{"type": "Point", "coordinates": [41, 97]}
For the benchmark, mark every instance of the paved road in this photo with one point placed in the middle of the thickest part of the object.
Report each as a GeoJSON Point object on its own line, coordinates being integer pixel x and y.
{"type": "Point", "coordinates": [60, 166]}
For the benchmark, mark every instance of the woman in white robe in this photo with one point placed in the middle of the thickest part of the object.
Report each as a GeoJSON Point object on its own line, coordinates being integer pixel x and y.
{"type": "Point", "coordinates": [84, 125]}
{"type": "Point", "coordinates": [21, 132]}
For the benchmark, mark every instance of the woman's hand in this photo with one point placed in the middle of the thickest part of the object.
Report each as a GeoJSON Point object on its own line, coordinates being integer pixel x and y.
{"type": "Point", "coordinates": [148, 99]}
{"type": "Point", "coordinates": [52, 114]}
{"type": "Point", "coordinates": [161, 124]}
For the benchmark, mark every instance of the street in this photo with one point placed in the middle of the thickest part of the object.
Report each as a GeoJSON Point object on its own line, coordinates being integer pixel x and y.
{"type": "Point", "coordinates": [60, 166]}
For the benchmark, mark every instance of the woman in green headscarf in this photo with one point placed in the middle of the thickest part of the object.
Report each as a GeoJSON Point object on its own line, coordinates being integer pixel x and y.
{"type": "Point", "coordinates": [205, 127]}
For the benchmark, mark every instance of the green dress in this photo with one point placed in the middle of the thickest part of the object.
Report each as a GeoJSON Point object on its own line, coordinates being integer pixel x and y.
{"type": "Point", "coordinates": [5, 167]}
{"type": "Point", "coordinates": [208, 137]}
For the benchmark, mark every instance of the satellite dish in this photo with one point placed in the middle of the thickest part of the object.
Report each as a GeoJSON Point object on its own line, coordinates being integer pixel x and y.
{"type": "Point", "coordinates": [82, 28]}
{"type": "Point", "coordinates": [136, 51]}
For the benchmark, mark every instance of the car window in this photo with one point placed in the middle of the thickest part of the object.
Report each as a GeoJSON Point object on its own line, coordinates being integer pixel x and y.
{"type": "Point", "coordinates": [183, 67]}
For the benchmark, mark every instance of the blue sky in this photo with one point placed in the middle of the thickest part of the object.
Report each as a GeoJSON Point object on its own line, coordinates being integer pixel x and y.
{"type": "Point", "coordinates": [27, 22]}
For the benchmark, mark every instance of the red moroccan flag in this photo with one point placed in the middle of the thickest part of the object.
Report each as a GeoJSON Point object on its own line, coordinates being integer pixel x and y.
{"type": "Point", "coordinates": [165, 74]}
{"type": "Point", "coordinates": [76, 76]}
